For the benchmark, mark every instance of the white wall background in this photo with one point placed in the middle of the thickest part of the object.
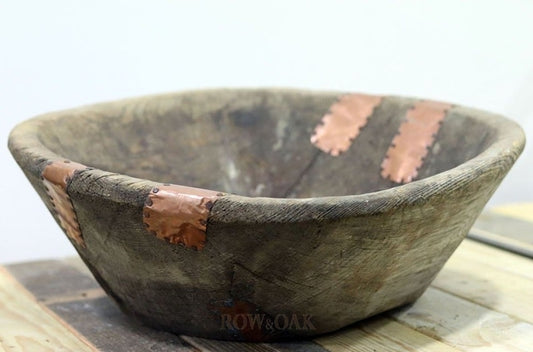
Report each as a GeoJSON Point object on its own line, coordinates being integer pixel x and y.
{"type": "Point", "coordinates": [59, 54]}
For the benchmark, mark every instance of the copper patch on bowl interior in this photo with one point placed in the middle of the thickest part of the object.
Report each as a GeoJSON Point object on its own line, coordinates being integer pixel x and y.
{"type": "Point", "coordinates": [178, 214]}
{"type": "Point", "coordinates": [55, 177]}
{"type": "Point", "coordinates": [343, 122]}
{"type": "Point", "coordinates": [415, 136]}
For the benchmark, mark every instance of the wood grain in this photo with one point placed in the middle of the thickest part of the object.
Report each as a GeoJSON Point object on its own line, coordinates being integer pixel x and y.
{"type": "Point", "coordinates": [207, 345]}
{"type": "Point", "coordinates": [491, 287]}
{"type": "Point", "coordinates": [465, 325]}
{"type": "Point", "coordinates": [496, 258]}
{"type": "Point", "coordinates": [25, 325]}
{"type": "Point", "coordinates": [382, 334]}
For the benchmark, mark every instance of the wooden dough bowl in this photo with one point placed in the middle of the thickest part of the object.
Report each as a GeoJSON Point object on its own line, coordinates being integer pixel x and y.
{"type": "Point", "coordinates": [314, 209]}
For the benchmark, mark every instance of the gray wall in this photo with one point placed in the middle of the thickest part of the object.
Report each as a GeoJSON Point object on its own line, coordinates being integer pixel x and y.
{"type": "Point", "coordinates": [59, 54]}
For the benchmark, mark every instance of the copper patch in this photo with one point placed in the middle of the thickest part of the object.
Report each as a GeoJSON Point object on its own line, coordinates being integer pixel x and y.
{"type": "Point", "coordinates": [343, 122]}
{"type": "Point", "coordinates": [178, 214]}
{"type": "Point", "coordinates": [55, 177]}
{"type": "Point", "coordinates": [415, 136]}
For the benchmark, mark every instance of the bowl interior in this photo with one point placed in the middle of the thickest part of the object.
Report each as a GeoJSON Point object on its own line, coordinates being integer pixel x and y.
{"type": "Point", "coordinates": [252, 142]}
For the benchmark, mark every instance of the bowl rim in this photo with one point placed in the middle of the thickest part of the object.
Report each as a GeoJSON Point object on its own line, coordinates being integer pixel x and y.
{"type": "Point", "coordinates": [498, 156]}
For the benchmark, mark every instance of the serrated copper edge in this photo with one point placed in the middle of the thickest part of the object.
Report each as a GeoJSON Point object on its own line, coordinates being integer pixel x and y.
{"type": "Point", "coordinates": [343, 122]}
{"type": "Point", "coordinates": [55, 177]}
{"type": "Point", "coordinates": [415, 136]}
{"type": "Point", "coordinates": [178, 214]}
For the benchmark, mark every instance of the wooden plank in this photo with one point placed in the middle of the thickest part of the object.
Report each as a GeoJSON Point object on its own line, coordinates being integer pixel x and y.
{"type": "Point", "coordinates": [214, 345]}
{"type": "Point", "coordinates": [381, 334]}
{"type": "Point", "coordinates": [495, 258]}
{"type": "Point", "coordinates": [502, 241]}
{"type": "Point", "coordinates": [465, 325]}
{"type": "Point", "coordinates": [207, 345]}
{"type": "Point", "coordinates": [522, 211]}
{"type": "Point", "coordinates": [25, 325]}
{"type": "Point", "coordinates": [488, 286]}
{"type": "Point", "coordinates": [510, 233]}
{"type": "Point", "coordinates": [518, 229]}
{"type": "Point", "coordinates": [102, 323]}
{"type": "Point", "coordinates": [78, 299]}
{"type": "Point", "coordinates": [53, 279]}
{"type": "Point", "coordinates": [298, 346]}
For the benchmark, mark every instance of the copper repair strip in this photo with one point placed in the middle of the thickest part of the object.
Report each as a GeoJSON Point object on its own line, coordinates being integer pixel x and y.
{"type": "Point", "coordinates": [415, 136]}
{"type": "Point", "coordinates": [178, 214]}
{"type": "Point", "coordinates": [343, 122]}
{"type": "Point", "coordinates": [55, 177]}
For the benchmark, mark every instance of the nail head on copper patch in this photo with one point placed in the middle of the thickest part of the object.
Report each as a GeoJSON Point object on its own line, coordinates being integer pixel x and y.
{"type": "Point", "coordinates": [343, 122]}
{"type": "Point", "coordinates": [55, 178]}
{"type": "Point", "coordinates": [178, 214]}
{"type": "Point", "coordinates": [415, 136]}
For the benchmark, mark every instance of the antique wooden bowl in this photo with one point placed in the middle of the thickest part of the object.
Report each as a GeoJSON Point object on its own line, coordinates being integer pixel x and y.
{"type": "Point", "coordinates": [312, 210]}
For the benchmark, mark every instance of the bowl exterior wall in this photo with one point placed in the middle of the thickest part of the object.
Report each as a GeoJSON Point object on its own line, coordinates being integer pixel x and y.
{"type": "Point", "coordinates": [325, 273]}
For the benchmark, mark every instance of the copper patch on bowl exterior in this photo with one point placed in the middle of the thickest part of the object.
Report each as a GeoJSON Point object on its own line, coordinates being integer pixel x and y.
{"type": "Point", "coordinates": [178, 214]}
{"type": "Point", "coordinates": [343, 122]}
{"type": "Point", "coordinates": [415, 136]}
{"type": "Point", "coordinates": [55, 177]}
